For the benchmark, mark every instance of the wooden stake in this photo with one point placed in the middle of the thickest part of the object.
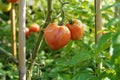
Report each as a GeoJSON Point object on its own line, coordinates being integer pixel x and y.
{"type": "Point", "coordinates": [13, 31]}
{"type": "Point", "coordinates": [98, 20]}
{"type": "Point", "coordinates": [98, 27]}
{"type": "Point", "coordinates": [22, 48]}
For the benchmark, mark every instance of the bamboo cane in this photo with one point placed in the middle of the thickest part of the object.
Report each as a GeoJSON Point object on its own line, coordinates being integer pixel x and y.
{"type": "Point", "coordinates": [13, 31]}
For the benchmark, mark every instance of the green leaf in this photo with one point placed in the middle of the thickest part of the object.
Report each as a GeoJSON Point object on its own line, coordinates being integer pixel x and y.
{"type": "Point", "coordinates": [113, 21]}
{"type": "Point", "coordinates": [108, 6]}
{"type": "Point", "coordinates": [116, 39]}
{"type": "Point", "coordinates": [80, 57]}
{"type": "Point", "coordinates": [104, 42]}
{"type": "Point", "coordinates": [57, 69]}
{"type": "Point", "coordinates": [83, 76]}
{"type": "Point", "coordinates": [63, 77]}
{"type": "Point", "coordinates": [116, 47]}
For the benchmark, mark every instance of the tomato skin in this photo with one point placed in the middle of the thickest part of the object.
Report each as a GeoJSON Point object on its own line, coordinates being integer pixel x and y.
{"type": "Point", "coordinates": [103, 32]}
{"type": "Point", "coordinates": [5, 7]}
{"type": "Point", "coordinates": [56, 36]}
{"type": "Point", "coordinates": [34, 28]}
{"type": "Point", "coordinates": [76, 28]}
{"type": "Point", "coordinates": [27, 32]}
{"type": "Point", "coordinates": [12, 1]}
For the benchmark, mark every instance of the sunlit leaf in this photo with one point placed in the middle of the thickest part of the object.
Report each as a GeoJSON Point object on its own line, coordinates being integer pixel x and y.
{"type": "Point", "coordinates": [80, 57]}
{"type": "Point", "coordinates": [116, 47]}
{"type": "Point", "coordinates": [63, 77]}
{"type": "Point", "coordinates": [104, 42]}
{"type": "Point", "coordinates": [108, 6]}
{"type": "Point", "coordinates": [83, 76]}
{"type": "Point", "coordinates": [113, 21]}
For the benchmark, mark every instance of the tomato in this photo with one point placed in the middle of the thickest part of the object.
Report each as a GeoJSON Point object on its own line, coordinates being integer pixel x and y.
{"type": "Point", "coordinates": [34, 28]}
{"type": "Point", "coordinates": [12, 1]}
{"type": "Point", "coordinates": [27, 32]}
{"type": "Point", "coordinates": [104, 32]}
{"type": "Point", "coordinates": [56, 36]}
{"type": "Point", "coordinates": [76, 28]}
{"type": "Point", "coordinates": [5, 6]}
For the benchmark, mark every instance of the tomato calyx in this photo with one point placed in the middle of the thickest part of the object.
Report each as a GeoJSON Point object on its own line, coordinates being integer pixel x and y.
{"type": "Point", "coordinates": [71, 21]}
{"type": "Point", "coordinates": [60, 24]}
{"type": "Point", "coordinates": [4, 1]}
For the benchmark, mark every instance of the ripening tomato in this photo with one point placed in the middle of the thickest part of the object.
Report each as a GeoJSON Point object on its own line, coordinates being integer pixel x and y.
{"type": "Point", "coordinates": [12, 1]}
{"type": "Point", "coordinates": [34, 28]}
{"type": "Point", "coordinates": [76, 28]}
{"type": "Point", "coordinates": [27, 32]}
{"type": "Point", "coordinates": [104, 32]}
{"type": "Point", "coordinates": [5, 6]}
{"type": "Point", "coordinates": [56, 36]}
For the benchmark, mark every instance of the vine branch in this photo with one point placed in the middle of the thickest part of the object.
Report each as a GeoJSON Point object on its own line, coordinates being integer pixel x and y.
{"type": "Point", "coordinates": [39, 42]}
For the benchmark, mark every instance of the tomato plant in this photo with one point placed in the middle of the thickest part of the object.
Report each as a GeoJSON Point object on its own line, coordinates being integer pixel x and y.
{"type": "Point", "coordinates": [82, 59]}
{"type": "Point", "coordinates": [34, 28]}
{"type": "Point", "coordinates": [76, 28]}
{"type": "Point", "coordinates": [12, 1]}
{"type": "Point", "coordinates": [56, 36]}
{"type": "Point", "coordinates": [5, 6]}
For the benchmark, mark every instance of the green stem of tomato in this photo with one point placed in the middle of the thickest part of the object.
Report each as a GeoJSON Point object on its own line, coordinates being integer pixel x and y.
{"type": "Point", "coordinates": [9, 55]}
{"type": "Point", "coordinates": [39, 44]}
{"type": "Point", "coordinates": [49, 15]}
{"type": "Point", "coordinates": [62, 11]}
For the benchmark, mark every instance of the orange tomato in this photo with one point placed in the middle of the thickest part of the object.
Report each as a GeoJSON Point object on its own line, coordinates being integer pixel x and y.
{"type": "Point", "coordinates": [27, 32]}
{"type": "Point", "coordinates": [76, 28]}
{"type": "Point", "coordinates": [56, 36]}
{"type": "Point", "coordinates": [12, 1]}
{"type": "Point", "coordinates": [34, 28]}
{"type": "Point", "coordinates": [104, 32]}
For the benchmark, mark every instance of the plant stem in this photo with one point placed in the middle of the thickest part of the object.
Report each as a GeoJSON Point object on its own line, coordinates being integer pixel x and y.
{"type": "Point", "coordinates": [117, 10]}
{"type": "Point", "coordinates": [9, 55]}
{"type": "Point", "coordinates": [39, 42]}
{"type": "Point", "coordinates": [49, 14]}
{"type": "Point", "coordinates": [62, 11]}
